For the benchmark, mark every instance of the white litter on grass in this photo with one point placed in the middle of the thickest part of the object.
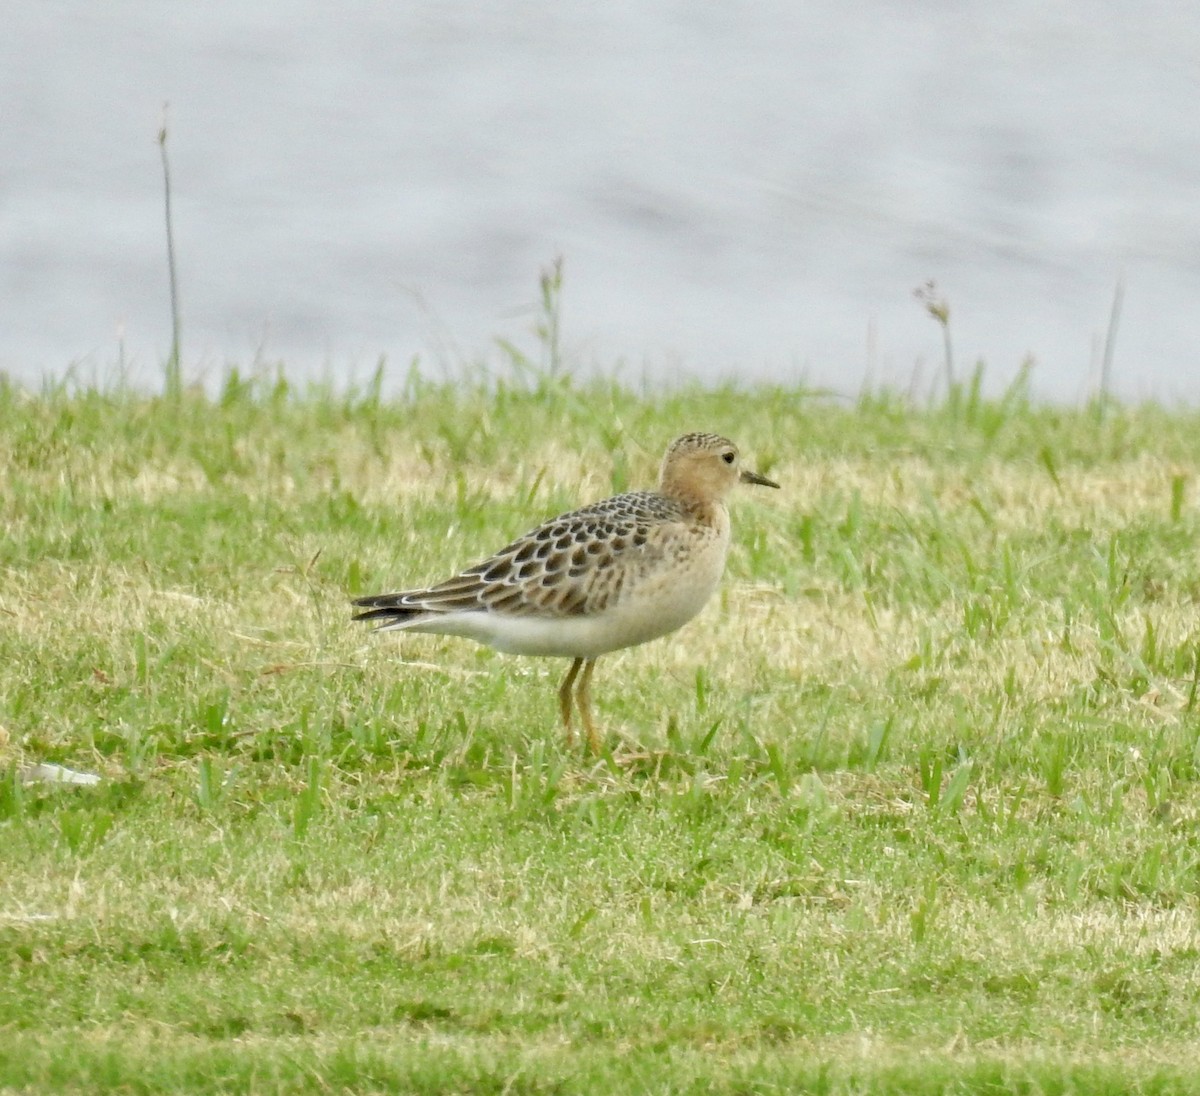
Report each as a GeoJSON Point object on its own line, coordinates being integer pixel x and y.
{"type": "Point", "coordinates": [46, 773]}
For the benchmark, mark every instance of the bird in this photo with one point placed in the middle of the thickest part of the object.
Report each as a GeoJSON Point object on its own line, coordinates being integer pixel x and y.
{"type": "Point", "coordinates": [611, 575]}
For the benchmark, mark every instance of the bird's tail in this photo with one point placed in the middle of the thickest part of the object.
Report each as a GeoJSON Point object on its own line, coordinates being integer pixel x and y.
{"type": "Point", "coordinates": [387, 610]}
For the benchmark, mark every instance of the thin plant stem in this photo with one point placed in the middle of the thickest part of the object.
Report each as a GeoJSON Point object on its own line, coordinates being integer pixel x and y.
{"type": "Point", "coordinates": [1110, 340]}
{"type": "Point", "coordinates": [174, 384]}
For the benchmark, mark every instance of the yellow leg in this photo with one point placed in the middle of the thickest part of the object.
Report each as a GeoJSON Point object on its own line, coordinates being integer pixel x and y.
{"type": "Point", "coordinates": [564, 698]}
{"type": "Point", "coordinates": [583, 701]}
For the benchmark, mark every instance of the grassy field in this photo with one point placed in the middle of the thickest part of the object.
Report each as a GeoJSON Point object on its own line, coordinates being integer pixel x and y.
{"type": "Point", "coordinates": [912, 806]}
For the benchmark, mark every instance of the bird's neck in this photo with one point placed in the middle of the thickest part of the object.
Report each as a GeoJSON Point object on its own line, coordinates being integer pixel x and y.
{"type": "Point", "coordinates": [710, 512]}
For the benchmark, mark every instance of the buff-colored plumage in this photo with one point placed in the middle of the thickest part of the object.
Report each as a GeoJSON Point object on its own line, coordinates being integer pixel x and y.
{"type": "Point", "coordinates": [615, 574]}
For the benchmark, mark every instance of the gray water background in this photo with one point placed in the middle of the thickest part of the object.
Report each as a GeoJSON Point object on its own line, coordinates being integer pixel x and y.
{"type": "Point", "coordinates": [737, 190]}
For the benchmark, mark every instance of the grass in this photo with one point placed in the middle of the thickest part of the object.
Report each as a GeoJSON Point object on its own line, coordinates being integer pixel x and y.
{"type": "Point", "coordinates": [913, 805]}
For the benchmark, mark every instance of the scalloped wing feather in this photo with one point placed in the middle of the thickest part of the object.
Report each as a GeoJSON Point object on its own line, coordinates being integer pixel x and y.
{"type": "Point", "coordinates": [565, 567]}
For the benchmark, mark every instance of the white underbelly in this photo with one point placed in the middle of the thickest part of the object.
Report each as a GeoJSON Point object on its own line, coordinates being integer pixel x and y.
{"type": "Point", "coordinates": [625, 625]}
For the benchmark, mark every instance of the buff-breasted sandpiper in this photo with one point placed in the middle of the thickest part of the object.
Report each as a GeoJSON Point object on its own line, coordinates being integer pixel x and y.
{"type": "Point", "coordinates": [615, 574]}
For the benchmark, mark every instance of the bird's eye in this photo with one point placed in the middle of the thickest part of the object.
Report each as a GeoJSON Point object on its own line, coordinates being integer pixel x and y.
{"type": "Point", "coordinates": [727, 456]}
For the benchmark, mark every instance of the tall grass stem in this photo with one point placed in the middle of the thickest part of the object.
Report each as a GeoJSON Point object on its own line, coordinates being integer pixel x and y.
{"type": "Point", "coordinates": [174, 382]}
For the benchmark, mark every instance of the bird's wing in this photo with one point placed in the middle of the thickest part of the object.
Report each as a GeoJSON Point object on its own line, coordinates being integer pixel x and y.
{"type": "Point", "coordinates": [576, 564]}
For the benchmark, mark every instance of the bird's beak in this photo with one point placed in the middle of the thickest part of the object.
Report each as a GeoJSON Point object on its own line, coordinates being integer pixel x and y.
{"type": "Point", "coordinates": [753, 477]}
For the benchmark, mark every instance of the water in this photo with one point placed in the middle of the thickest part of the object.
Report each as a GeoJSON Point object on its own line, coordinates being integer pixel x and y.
{"type": "Point", "coordinates": [737, 190]}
